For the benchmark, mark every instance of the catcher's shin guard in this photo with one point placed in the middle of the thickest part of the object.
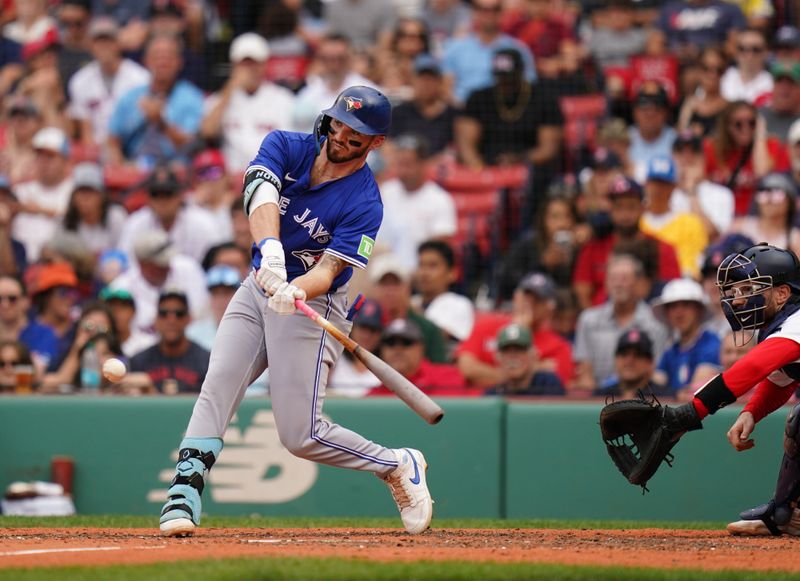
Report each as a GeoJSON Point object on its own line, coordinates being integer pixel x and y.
{"type": "Point", "coordinates": [181, 513]}
{"type": "Point", "coordinates": [780, 515]}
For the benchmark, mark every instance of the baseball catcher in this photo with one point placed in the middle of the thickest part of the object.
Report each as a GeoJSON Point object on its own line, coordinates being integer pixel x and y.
{"type": "Point", "coordinates": [760, 295]}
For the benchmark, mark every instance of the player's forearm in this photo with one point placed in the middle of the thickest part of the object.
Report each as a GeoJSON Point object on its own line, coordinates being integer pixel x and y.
{"type": "Point", "coordinates": [265, 222]}
{"type": "Point", "coordinates": [767, 398]}
{"type": "Point", "coordinates": [319, 279]}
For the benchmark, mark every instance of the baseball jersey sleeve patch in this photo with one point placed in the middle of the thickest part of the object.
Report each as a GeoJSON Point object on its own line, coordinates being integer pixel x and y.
{"type": "Point", "coordinates": [366, 246]}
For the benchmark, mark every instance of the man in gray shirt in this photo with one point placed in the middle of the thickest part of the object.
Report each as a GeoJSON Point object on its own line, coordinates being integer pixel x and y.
{"type": "Point", "coordinates": [600, 327]}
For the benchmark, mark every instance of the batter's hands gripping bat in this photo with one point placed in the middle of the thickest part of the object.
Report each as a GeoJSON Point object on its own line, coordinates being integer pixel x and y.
{"type": "Point", "coordinates": [424, 406]}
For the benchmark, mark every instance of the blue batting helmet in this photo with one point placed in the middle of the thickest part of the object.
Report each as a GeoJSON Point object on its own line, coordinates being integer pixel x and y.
{"type": "Point", "coordinates": [363, 109]}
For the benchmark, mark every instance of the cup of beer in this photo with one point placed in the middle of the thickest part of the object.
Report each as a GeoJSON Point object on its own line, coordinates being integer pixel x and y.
{"type": "Point", "coordinates": [24, 374]}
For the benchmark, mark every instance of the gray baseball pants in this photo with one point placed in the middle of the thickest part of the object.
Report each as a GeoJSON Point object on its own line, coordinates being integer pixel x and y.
{"type": "Point", "coordinates": [300, 355]}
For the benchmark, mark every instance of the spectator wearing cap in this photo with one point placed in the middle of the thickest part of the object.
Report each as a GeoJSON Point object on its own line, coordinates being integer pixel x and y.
{"type": "Point", "coordinates": [175, 364]}
{"type": "Point", "coordinates": [91, 215]}
{"type": "Point", "coordinates": [73, 23]}
{"type": "Point", "coordinates": [518, 362]}
{"type": "Point", "coordinates": [599, 327]}
{"type": "Point", "coordinates": [222, 283]}
{"type": "Point", "coordinates": [595, 182]}
{"type": "Point", "coordinates": [776, 210]}
{"type": "Point", "coordinates": [391, 288]}
{"type": "Point", "coordinates": [549, 247]}
{"type": "Point", "coordinates": [435, 274]}
{"type": "Point", "coordinates": [95, 90]}
{"type": "Point", "coordinates": [694, 192]}
{"type": "Point", "coordinates": [248, 107]}
{"type": "Point", "coordinates": [740, 153]}
{"type": "Point", "coordinates": [626, 209]}
{"type": "Point", "coordinates": [403, 348]}
{"type": "Point", "coordinates": [44, 200]}
{"type": "Point", "coordinates": [467, 61]}
{"type": "Point", "coordinates": [428, 113]}
{"type": "Point", "coordinates": [510, 122]}
{"type": "Point", "coordinates": [192, 229]}
{"type": "Point", "coordinates": [159, 265]}
{"type": "Point", "coordinates": [334, 73]}
{"type": "Point", "coordinates": [420, 209]}
{"type": "Point", "coordinates": [748, 80]}
{"type": "Point", "coordinates": [22, 121]}
{"type": "Point", "coordinates": [651, 134]}
{"type": "Point", "coordinates": [613, 135]}
{"type": "Point", "coordinates": [634, 368]}
{"type": "Point", "coordinates": [685, 27]}
{"type": "Point", "coordinates": [42, 81]}
{"type": "Point", "coordinates": [122, 306]}
{"type": "Point", "coordinates": [154, 122]}
{"type": "Point", "coordinates": [684, 231]}
{"type": "Point", "coordinates": [53, 289]}
{"type": "Point", "coordinates": [15, 325]}
{"type": "Point", "coordinates": [693, 358]}
{"type": "Point", "coordinates": [784, 105]}
{"type": "Point", "coordinates": [13, 259]}
{"type": "Point", "coordinates": [532, 307]}
{"type": "Point", "coordinates": [350, 377]}
{"type": "Point", "coordinates": [786, 44]}
{"type": "Point", "coordinates": [712, 258]}
{"type": "Point", "coordinates": [213, 190]}
{"type": "Point", "coordinates": [229, 254]}
{"type": "Point", "coordinates": [700, 110]}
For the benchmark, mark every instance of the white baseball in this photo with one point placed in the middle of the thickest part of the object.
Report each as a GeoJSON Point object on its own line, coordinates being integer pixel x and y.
{"type": "Point", "coordinates": [114, 370]}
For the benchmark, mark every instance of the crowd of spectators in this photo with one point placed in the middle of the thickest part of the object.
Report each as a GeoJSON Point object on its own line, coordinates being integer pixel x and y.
{"type": "Point", "coordinates": [648, 140]}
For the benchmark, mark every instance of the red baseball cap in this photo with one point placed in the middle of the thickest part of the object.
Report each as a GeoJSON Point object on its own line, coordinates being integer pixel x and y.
{"type": "Point", "coordinates": [208, 158]}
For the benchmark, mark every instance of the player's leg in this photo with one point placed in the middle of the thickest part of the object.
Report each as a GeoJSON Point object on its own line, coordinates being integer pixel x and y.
{"type": "Point", "coordinates": [238, 357]}
{"type": "Point", "coordinates": [778, 516]}
{"type": "Point", "coordinates": [302, 356]}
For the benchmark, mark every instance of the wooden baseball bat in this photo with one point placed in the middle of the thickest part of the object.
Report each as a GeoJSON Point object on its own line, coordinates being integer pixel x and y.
{"type": "Point", "coordinates": [424, 406]}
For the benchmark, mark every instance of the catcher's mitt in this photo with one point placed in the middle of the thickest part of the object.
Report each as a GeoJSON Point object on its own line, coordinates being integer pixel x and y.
{"type": "Point", "coordinates": [640, 433]}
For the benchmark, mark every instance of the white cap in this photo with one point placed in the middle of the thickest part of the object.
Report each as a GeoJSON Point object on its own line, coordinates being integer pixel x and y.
{"type": "Point", "coordinates": [249, 46]}
{"type": "Point", "coordinates": [154, 246]}
{"type": "Point", "coordinates": [453, 314]}
{"type": "Point", "coordinates": [51, 139]}
{"type": "Point", "coordinates": [794, 133]}
{"type": "Point", "coordinates": [88, 175]}
{"type": "Point", "coordinates": [385, 264]}
{"type": "Point", "coordinates": [680, 289]}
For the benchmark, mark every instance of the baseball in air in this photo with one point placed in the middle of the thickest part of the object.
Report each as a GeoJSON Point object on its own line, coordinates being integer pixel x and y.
{"type": "Point", "coordinates": [114, 370]}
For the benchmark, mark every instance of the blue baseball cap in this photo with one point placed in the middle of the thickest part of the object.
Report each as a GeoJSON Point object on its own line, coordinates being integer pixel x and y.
{"type": "Point", "coordinates": [223, 275]}
{"type": "Point", "coordinates": [426, 63]}
{"type": "Point", "coordinates": [662, 168]}
{"type": "Point", "coordinates": [370, 315]}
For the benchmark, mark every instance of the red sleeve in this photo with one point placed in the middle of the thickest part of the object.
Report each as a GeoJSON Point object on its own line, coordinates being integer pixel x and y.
{"type": "Point", "coordinates": [668, 267]}
{"type": "Point", "coordinates": [583, 266]}
{"type": "Point", "coordinates": [767, 398]}
{"type": "Point", "coordinates": [759, 362]}
{"type": "Point", "coordinates": [779, 155]}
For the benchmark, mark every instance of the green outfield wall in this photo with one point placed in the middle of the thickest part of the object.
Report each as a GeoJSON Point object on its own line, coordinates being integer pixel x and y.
{"type": "Point", "coordinates": [488, 458]}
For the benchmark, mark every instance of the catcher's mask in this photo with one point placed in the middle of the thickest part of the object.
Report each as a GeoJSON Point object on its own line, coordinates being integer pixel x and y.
{"type": "Point", "coordinates": [743, 280]}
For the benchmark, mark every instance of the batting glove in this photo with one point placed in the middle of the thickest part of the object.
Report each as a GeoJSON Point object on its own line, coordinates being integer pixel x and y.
{"type": "Point", "coordinates": [282, 301]}
{"type": "Point", "coordinates": [273, 265]}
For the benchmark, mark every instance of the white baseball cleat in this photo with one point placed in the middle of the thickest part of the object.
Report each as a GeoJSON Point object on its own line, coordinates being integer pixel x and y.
{"type": "Point", "coordinates": [178, 527]}
{"type": "Point", "coordinates": [410, 491]}
{"type": "Point", "coordinates": [762, 522]}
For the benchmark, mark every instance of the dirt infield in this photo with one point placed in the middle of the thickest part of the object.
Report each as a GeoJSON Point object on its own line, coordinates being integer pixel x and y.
{"type": "Point", "coordinates": [710, 550]}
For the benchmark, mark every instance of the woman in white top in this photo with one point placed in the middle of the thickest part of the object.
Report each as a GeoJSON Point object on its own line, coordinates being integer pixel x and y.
{"type": "Point", "coordinates": [775, 201]}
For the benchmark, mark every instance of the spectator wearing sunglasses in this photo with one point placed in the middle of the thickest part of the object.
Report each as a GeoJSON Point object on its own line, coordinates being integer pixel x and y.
{"type": "Point", "coordinates": [402, 347]}
{"type": "Point", "coordinates": [12, 353]}
{"type": "Point", "coordinates": [15, 325]}
{"type": "Point", "coordinates": [774, 222]}
{"type": "Point", "coordinates": [192, 229]}
{"type": "Point", "coordinates": [748, 80]}
{"type": "Point", "coordinates": [175, 364]}
{"type": "Point", "coordinates": [213, 189]}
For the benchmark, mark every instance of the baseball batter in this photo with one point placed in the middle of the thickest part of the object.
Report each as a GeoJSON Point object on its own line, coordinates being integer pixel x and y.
{"type": "Point", "coordinates": [314, 208]}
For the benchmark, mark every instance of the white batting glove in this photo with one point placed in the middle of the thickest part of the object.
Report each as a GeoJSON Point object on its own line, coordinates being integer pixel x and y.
{"type": "Point", "coordinates": [273, 265]}
{"type": "Point", "coordinates": [282, 300]}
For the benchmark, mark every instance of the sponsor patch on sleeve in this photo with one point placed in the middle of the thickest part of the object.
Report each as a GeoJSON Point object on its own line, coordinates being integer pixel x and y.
{"type": "Point", "coordinates": [366, 246]}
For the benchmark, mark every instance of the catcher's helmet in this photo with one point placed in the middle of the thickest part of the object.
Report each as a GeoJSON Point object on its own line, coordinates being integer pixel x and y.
{"type": "Point", "coordinates": [363, 109]}
{"type": "Point", "coordinates": [744, 277]}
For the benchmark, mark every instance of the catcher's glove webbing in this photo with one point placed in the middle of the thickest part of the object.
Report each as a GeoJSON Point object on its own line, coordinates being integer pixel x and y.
{"type": "Point", "coordinates": [640, 433]}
